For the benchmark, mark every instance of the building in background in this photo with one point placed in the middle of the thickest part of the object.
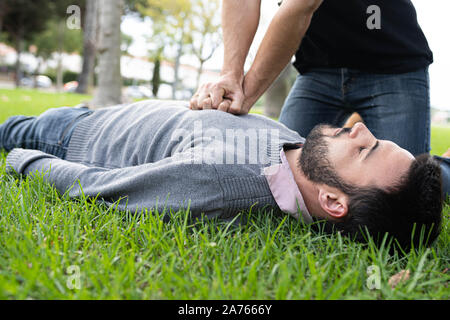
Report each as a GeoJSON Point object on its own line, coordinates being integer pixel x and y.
{"type": "Point", "coordinates": [137, 70]}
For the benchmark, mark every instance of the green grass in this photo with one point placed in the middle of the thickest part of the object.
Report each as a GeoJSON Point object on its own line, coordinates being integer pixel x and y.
{"type": "Point", "coordinates": [120, 255]}
{"type": "Point", "coordinates": [34, 102]}
{"type": "Point", "coordinates": [440, 139]}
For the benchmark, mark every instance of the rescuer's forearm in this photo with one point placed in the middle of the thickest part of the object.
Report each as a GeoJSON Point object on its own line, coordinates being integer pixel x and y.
{"type": "Point", "coordinates": [282, 39]}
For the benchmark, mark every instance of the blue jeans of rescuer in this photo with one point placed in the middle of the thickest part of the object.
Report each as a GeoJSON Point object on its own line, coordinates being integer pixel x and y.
{"type": "Point", "coordinates": [394, 107]}
{"type": "Point", "coordinates": [51, 132]}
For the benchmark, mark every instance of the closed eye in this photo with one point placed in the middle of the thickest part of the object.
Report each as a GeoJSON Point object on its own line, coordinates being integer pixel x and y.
{"type": "Point", "coordinates": [361, 149]}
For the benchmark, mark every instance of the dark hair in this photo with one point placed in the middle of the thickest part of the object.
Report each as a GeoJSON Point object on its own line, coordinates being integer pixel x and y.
{"type": "Point", "coordinates": [410, 212]}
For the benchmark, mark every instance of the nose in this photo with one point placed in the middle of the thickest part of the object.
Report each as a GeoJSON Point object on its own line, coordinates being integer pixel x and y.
{"type": "Point", "coordinates": [358, 129]}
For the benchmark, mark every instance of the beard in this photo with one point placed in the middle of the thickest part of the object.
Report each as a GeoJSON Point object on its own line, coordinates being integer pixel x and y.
{"type": "Point", "coordinates": [314, 160]}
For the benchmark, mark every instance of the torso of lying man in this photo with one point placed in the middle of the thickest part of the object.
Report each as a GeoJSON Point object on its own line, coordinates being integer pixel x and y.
{"type": "Point", "coordinates": [159, 155]}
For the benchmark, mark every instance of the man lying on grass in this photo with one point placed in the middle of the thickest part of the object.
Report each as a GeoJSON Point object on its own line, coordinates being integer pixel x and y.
{"type": "Point", "coordinates": [158, 155]}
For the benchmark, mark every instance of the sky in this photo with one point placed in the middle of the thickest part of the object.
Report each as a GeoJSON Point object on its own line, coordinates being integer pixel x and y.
{"type": "Point", "coordinates": [433, 16]}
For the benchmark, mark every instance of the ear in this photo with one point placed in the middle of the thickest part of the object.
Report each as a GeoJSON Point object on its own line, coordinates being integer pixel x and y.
{"type": "Point", "coordinates": [333, 201]}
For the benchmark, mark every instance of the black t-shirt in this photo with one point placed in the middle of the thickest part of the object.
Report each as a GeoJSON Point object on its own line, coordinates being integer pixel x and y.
{"type": "Point", "coordinates": [379, 36]}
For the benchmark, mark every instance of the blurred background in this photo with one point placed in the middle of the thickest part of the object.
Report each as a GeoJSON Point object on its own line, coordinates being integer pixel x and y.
{"type": "Point", "coordinates": [114, 51]}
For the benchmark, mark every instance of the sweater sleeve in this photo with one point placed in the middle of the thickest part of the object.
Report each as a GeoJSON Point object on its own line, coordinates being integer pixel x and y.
{"type": "Point", "coordinates": [169, 183]}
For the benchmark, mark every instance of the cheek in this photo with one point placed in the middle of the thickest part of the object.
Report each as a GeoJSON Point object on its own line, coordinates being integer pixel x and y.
{"type": "Point", "coordinates": [340, 155]}
{"type": "Point", "coordinates": [344, 160]}
{"type": "Point", "coordinates": [355, 175]}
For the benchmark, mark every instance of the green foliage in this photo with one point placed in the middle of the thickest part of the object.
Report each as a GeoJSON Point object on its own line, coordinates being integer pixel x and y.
{"type": "Point", "coordinates": [204, 35]}
{"type": "Point", "coordinates": [191, 22]}
{"type": "Point", "coordinates": [70, 76]}
{"type": "Point", "coordinates": [48, 41]}
{"type": "Point", "coordinates": [133, 82]}
{"type": "Point", "coordinates": [25, 19]}
{"type": "Point", "coordinates": [3, 37]}
{"type": "Point", "coordinates": [39, 22]}
{"type": "Point", "coordinates": [67, 75]}
{"type": "Point", "coordinates": [156, 79]}
{"type": "Point", "coordinates": [22, 19]}
{"type": "Point", "coordinates": [188, 25]}
{"type": "Point", "coordinates": [169, 21]}
{"type": "Point", "coordinates": [127, 41]}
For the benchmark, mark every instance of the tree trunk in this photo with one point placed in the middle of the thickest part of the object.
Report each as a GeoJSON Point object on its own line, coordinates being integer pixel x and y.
{"type": "Point", "coordinates": [277, 93]}
{"type": "Point", "coordinates": [59, 73]}
{"type": "Point", "coordinates": [109, 91]}
{"type": "Point", "coordinates": [177, 65]}
{"type": "Point", "coordinates": [3, 12]}
{"type": "Point", "coordinates": [59, 67]}
{"type": "Point", "coordinates": [199, 74]}
{"type": "Point", "coordinates": [156, 79]}
{"type": "Point", "coordinates": [89, 46]}
{"type": "Point", "coordinates": [19, 49]}
{"type": "Point", "coordinates": [36, 72]}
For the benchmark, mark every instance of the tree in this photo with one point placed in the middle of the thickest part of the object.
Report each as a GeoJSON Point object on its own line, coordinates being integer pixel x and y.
{"type": "Point", "coordinates": [22, 20]}
{"type": "Point", "coordinates": [49, 41]}
{"type": "Point", "coordinates": [90, 37]}
{"type": "Point", "coordinates": [156, 78]}
{"type": "Point", "coordinates": [64, 39]}
{"type": "Point", "coordinates": [171, 19]}
{"type": "Point", "coordinates": [158, 38]}
{"type": "Point", "coordinates": [3, 11]}
{"type": "Point", "coordinates": [109, 91]}
{"type": "Point", "coordinates": [125, 43]}
{"type": "Point", "coordinates": [204, 36]}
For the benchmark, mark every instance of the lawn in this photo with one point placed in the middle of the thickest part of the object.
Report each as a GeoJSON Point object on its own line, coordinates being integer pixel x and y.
{"type": "Point", "coordinates": [33, 102]}
{"type": "Point", "coordinates": [53, 247]}
{"type": "Point", "coordinates": [440, 139]}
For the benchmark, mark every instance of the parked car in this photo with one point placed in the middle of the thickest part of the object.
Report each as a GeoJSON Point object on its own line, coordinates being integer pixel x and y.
{"type": "Point", "coordinates": [44, 82]}
{"type": "Point", "coordinates": [138, 92]}
{"type": "Point", "coordinates": [185, 94]}
{"type": "Point", "coordinates": [26, 82]}
{"type": "Point", "coordinates": [41, 82]}
{"type": "Point", "coordinates": [71, 86]}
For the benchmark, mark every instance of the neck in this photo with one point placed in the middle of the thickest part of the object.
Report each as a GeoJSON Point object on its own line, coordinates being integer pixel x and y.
{"type": "Point", "coordinates": [307, 188]}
